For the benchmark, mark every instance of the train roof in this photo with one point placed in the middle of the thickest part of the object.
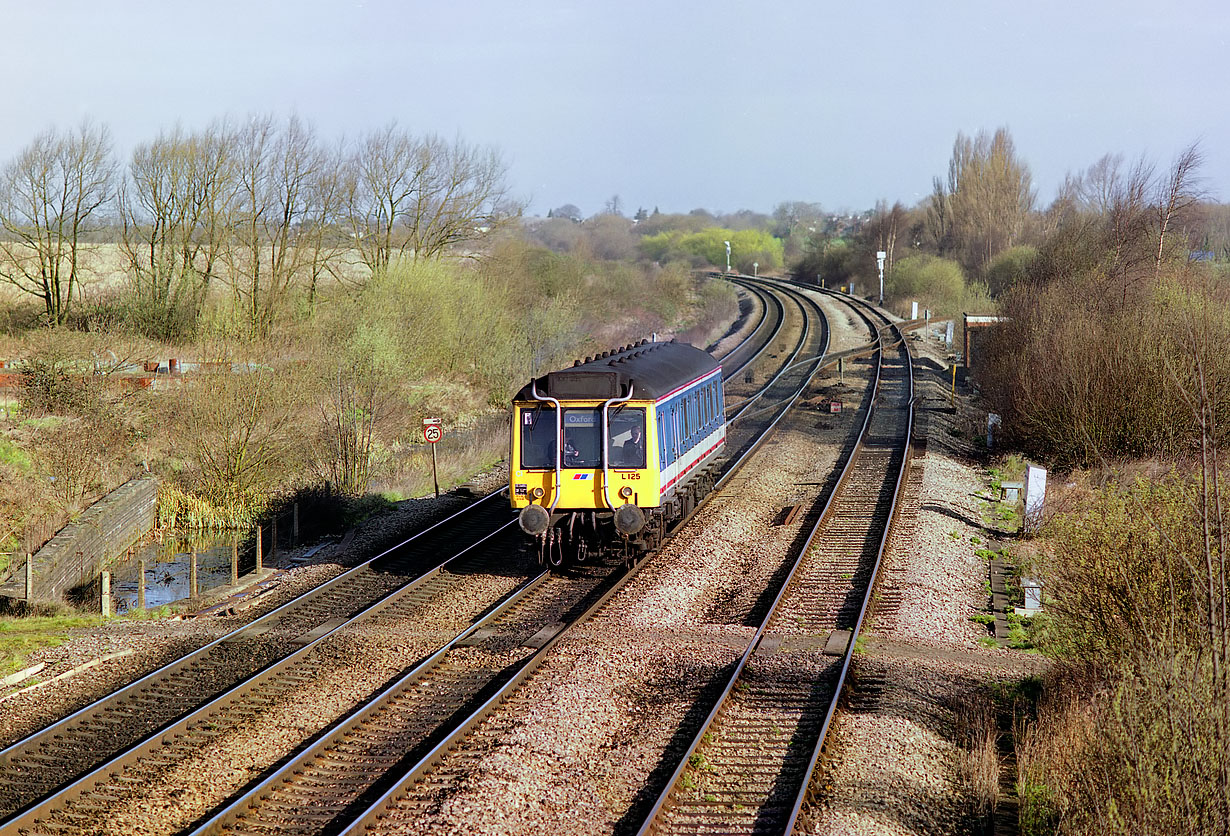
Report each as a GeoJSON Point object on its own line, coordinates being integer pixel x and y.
{"type": "Point", "coordinates": [652, 369]}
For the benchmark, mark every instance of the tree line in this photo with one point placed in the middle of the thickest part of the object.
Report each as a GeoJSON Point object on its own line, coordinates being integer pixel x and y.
{"type": "Point", "coordinates": [256, 208]}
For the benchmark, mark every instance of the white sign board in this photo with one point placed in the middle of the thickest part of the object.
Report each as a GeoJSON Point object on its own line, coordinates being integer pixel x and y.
{"type": "Point", "coordinates": [1035, 496]}
{"type": "Point", "coordinates": [948, 334]}
{"type": "Point", "coordinates": [913, 310]}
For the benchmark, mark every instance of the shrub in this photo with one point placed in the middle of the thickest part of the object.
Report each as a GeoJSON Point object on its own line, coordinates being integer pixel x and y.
{"type": "Point", "coordinates": [1133, 733]}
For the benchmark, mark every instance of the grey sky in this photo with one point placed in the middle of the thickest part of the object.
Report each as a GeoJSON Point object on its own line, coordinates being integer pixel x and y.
{"type": "Point", "coordinates": [720, 104]}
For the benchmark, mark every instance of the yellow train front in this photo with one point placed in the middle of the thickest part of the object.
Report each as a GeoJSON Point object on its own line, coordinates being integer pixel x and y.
{"type": "Point", "coordinates": [612, 450]}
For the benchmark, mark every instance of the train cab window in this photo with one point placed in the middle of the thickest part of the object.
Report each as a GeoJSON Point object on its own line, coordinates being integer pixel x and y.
{"type": "Point", "coordinates": [582, 438]}
{"type": "Point", "coordinates": [537, 437]}
{"type": "Point", "coordinates": [627, 438]}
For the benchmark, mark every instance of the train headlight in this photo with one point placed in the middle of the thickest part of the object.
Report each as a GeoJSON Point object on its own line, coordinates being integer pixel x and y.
{"type": "Point", "coordinates": [537, 492]}
{"type": "Point", "coordinates": [626, 491]}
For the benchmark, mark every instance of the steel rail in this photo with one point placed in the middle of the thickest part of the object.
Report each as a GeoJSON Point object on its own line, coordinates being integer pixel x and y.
{"type": "Point", "coordinates": [651, 820]}
{"type": "Point", "coordinates": [41, 808]}
{"type": "Point", "coordinates": [267, 619]}
{"type": "Point", "coordinates": [738, 410]}
{"type": "Point", "coordinates": [764, 296]}
{"type": "Point", "coordinates": [243, 806]}
{"type": "Point", "coordinates": [809, 772]}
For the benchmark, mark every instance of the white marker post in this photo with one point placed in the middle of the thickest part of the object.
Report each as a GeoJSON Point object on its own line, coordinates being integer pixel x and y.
{"type": "Point", "coordinates": [880, 256]}
{"type": "Point", "coordinates": [432, 433]}
{"type": "Point", "coordinates": [1035, 496]}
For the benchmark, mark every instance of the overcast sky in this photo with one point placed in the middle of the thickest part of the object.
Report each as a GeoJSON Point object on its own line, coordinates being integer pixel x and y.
{"type": "Point", "coordinates": [716, 104]}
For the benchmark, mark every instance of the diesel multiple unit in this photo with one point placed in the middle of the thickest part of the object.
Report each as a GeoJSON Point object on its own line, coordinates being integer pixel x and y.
{"type": "Point", "coordinates": [615, 448]}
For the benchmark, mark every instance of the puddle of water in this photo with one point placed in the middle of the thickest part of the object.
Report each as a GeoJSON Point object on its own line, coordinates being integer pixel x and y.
{"type": "Point", "coordinates": [168, 569]}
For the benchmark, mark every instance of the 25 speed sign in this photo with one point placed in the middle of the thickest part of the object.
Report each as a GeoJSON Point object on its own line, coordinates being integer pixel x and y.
{"type": "Point", "coordinates": [432, 431]}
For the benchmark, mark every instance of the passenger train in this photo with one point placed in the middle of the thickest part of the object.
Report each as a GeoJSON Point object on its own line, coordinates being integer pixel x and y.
{"type": "Point", "coordinates": [614, 449]}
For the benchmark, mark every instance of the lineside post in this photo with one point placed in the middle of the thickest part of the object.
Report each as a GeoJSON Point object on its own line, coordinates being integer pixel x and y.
{"type": "Point", "coordinates": [106, 594]}
{"type": "Point", "coordinates": [29, 576]}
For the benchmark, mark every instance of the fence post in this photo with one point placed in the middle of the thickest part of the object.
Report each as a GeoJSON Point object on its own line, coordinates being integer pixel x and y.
{"type": "Point", "coordinates": [141, 584]}
{"type": "Point", "coordinates": [29, 576]}
{"type": "Point", "coordinates": [235, 561]}
{"type": "Point", "coordinates": [106, 594]}
{"type": "Point", "coordinates": [273, 541]}
{"type": "Point", "coordinates": [258, 549]}
{"type": "Point", "coordinates": [192, 575]}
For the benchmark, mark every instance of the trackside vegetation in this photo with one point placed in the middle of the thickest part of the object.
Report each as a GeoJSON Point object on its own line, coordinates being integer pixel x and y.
{"type": "Point", "coordinates": [1111, 368]}
{"type": "Point", "coordinates": [335, 397]}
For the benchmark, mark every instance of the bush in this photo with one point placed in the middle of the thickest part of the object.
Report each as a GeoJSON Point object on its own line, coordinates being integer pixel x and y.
{"type": "Point", "coordinates": [1080, 378]}
{"type": "Point", "coordinates": [1133, 732]}
{"type": "Point", "coordinates": [1009, 269]}
{"type": "Point", "coordinates": [748, 247]}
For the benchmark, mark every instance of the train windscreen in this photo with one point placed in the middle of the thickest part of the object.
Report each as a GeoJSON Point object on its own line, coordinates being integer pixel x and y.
{"type": "Point", "coordinates": [627, 437]}
{"type": "Point", "coordinates": [537, 438]}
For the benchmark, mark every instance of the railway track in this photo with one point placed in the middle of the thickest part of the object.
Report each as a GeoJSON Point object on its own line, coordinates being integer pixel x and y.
{"type": "Point", "coordinates": [89, 751]}
{"type": "Point", "coordinates": [773, 315]}
{"type": "Point", "coordinates": [398, 808]}
{"type": "Point", "coordinates": [748, 767]}
{"type": "Point", "coordinates": [40, 763]}
{"type": "Point", "coordinates": [335, 777]}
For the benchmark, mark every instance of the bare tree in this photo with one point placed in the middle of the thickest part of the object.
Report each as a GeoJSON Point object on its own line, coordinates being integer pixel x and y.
{"type": "Point", "coordinates": [173, 210]}
{"type": "Point", "coordinates": [988, 197]}
{"type": "Point", "coordinates": [791, 214]}
{"type": "Point", "coordinates": [417, 196]}
{"type": "Point", "coordinates": [1177, 194]}
{"type": "Point", "coordinates": [886, 225]}
{"type": "Point", "coordinates": [51, 196]}
{"type": "Point", "coordinates": [939, 216]}
{"type": "Point", "coordinates": [284, 197]}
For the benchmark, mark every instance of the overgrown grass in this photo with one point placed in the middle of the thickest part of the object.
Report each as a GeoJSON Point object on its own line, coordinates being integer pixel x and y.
{"type": "Point", "coordinates": [21, 637]}
{"type": "Point", "coordinates": [180, 509]}
{"type": "Point", "coordinates": [1132, 734]}
{"type": "Point", "coordinates": [977, 738]}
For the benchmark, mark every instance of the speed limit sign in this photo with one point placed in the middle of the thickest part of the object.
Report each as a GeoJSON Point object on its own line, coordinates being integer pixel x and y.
{"type": "Point", "coordinates": [432, 431]}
